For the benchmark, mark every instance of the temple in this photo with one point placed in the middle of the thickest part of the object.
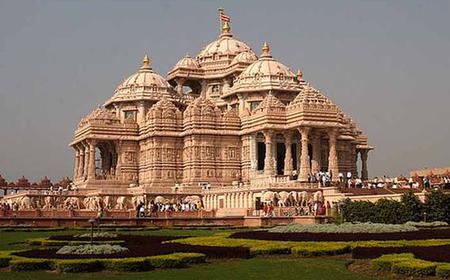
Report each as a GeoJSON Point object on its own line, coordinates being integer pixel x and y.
{"type": "Point", "coordinates": [227, 126]}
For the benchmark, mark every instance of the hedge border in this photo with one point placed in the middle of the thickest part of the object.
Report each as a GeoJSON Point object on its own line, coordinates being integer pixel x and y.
{"type": "Point", "coordinates": [174, 260]}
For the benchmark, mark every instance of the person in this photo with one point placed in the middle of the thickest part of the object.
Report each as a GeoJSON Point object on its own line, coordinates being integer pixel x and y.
{"type": "Point", "coordinates": [426, 182]}
{"type": "Point", "coordinates": [141, 210]}
{"type": "Point", "coordinates": [349, 176]}
{"type": "Point", "coordinates": [341, 177]}
{"type": "Point", "coordinates": [294, 174]}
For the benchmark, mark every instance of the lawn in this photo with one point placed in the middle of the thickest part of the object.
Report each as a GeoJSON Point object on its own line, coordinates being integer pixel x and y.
{"type": "Point", "coordinates": [256, 268]}
{"type": "Point", "coordinates": [276, 267]}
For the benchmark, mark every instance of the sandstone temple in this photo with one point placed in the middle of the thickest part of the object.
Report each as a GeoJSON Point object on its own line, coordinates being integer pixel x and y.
{"type": "Point", "coordinates": [222, 121]}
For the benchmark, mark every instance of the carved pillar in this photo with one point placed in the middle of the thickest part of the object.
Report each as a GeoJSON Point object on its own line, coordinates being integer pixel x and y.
{"type": "Point", "coordinates": [253, 153]}
{"type": "Point", "coordinates": [141, 112]}
{"type": "Point", "coordinates": [288, 161]}
{"type": "Point", "coordinates": [315, 163]}
{"type": "Point", "coordinates": [180, 85]}
{"type": "Point", "coordinates": [305, 169]}
{"type": "Point", "coordinates": [241, 99]}
{"type": "Point", "coordinates": [77, 164]}
{"type": "Point", "coordinates": [364, 171]}
{"type": "Point", "coordinates": [119, 159]}
{"type": "Point", "coordinates": [81, 163]}
{"type": "Point", "coordinates": [91, 170]}
{"type": "Point", "coordinates": [86, 161]}
{"type": "Point", "coordinates": [268, 160]}
{"type": "Point", "coordinates": [204, 89]}
{"type": "Point", "coordinates": [332, 157]}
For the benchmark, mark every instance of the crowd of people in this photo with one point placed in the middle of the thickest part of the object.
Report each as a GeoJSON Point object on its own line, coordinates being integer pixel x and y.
{"type": "Point", "coordinates": [153, 208]}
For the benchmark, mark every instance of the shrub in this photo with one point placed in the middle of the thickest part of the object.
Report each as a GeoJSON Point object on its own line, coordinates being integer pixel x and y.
{"type": "Point", "coordinates": [343, 228]}
{"type": "Point", "coordinates": [78, 265]}
{"type": "Point", "coordinates": [325, 250]}
{"type": "Point", "coordinates": [102, 234]}
{"type": "Point", "coordinates": [437, 206]}
{"type": "Point", "coordinates": [385, 262]}
{"type": "Point", "coordinates": [30, 264]}
{"type": "Point", "coordinates": [128, 264]}
{"type": "Point", "coordinates": [390, 212]}
{"type": "Point", "coordinates": [270, 249]}
{"type": "Point", "coordinates": [4, 261]}
{"type": "Point", "coordinates": [443, 270]}
{"type": "Point", "coordinates": [427, 224]}
{"type": "Point", "coordinates": [414, 267]}
{"type": "Point", "coordinates": [87, 249]}
{"type": "Point", "coordinates": [412, 207]}
{"type": "Point", "coordinates": [176, 260]}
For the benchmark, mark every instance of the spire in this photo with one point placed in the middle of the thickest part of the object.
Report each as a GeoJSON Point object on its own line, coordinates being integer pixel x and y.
{"type": "Point", "coordinates": [299, 74]}
{"type": "Point", "coordinates": [224, 23]}
{"type": "Point", "coordinates": [146, 63]}
{"type": "Point", "coordinates": [266, 50]}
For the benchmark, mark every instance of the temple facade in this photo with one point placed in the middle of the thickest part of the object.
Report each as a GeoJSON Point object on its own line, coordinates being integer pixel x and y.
{"type": "Point", "coordinates": [227, 126]}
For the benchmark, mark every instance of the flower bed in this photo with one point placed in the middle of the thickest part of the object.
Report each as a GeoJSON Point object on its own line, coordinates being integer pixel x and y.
{"type": "Point", "coordinates": [88, 249]}
{"type": "Point", "coordinates": [142, 246]}
{"type": "Point", "coordinates": [102, 234]}
{"type": "Point", "coordinates": [343, 228]}
{"type": "Point", "coordinates": [309, 236]}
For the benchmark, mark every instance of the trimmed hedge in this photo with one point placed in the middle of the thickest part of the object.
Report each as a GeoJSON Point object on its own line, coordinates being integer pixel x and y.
{"type": "Point", "coordinates": [24, 264]}
{"type": "Point", "coordinates": [443, 270]}
{"type": "Point", "coordinates": [128, 264]}
{"type": "Point", "coordinates": [78, 265]}
{"type": "Point", "coordinates": [176, 260]}
{"type": "Point", "coordinates": [325, 250]}
{"type": "Point", "coordinates": [270, 249]}
{"type": "Point", "coordinates": [385, 262]}
{"type": "Point", "coordinates": [414, 267]}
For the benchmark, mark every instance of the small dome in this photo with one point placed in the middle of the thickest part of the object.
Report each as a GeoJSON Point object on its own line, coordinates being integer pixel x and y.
{"type": "Point", "coordinates": [310, 95]}
{"type": "Point", "coordinates": [245, 57]}
{"type": "Point", "coordinates": [187, 62]}
{"type": "Point", "coordinates": [144, 82]}
{"type": "Point", "coordinates": [266, 73]}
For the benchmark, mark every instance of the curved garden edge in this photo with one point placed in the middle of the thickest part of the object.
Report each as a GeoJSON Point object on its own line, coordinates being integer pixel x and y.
{"type": "Point", "coordinates": [175, 260]}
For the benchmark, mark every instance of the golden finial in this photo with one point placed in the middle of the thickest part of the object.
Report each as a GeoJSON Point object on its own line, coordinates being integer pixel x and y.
{"type": "Point", "coordinates": [226, 27]}
{"type": "Point", "coordinates": [299, 74]}
{"type": "Point", "coordinates": [146, 62]}
{"type": "Point", "coordinates": [265, 49]}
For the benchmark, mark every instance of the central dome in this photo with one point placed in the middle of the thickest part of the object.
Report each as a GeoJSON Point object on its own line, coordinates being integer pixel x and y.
{"type": "Point", "coordinates": [224, 48]}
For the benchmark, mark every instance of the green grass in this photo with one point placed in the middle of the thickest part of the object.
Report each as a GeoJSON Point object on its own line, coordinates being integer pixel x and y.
{"type": "Point", "coordinates": [257, 268]}
{"type": "Point", "coordinates": [10, 240]}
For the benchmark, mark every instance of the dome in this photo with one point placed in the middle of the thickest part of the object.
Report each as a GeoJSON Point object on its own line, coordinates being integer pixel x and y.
{"type": "Point", "coordinates": [225, 45]}
{"type": "Point", "coordinates": [245, 57]}
{"type": "Point", "coordinates": [265, 74]}
{"type": "Point", "coordinates": [144, 84]}
{"type": "Point", "coordinates": [187, 62]}
{"type": "Point", "coordinates": [310, 95]}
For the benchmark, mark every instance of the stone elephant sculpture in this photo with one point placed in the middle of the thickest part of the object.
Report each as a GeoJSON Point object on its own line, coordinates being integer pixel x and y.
{"type": "Point", "coordinates": [284, 199]}
{"type": "Point", "coordinates": [49, 202]}
{"type": "Point", "coordinates": [121, 203]}
{"type": "Point", "coordinates": [25, 203]}
{"type": "Point", "coordinates": [302, 198]}
{"type": "Point", "coordinates": [72, 203]}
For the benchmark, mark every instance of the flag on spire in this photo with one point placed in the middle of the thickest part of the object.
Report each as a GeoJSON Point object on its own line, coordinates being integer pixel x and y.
{"type": "Point", "coordinates": [223, 16]}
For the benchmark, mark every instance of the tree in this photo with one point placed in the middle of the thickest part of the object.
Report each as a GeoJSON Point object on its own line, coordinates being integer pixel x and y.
{"type": "Point", "coordinates": [389, 211]}
{"type": "Point", "coordinates": [437, 206]}
{"type": "Point", "coordinates": [413, 207]}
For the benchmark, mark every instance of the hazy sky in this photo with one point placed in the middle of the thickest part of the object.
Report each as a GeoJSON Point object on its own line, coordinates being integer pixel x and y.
{"type": "Point", "coordinates": [385, 63]}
